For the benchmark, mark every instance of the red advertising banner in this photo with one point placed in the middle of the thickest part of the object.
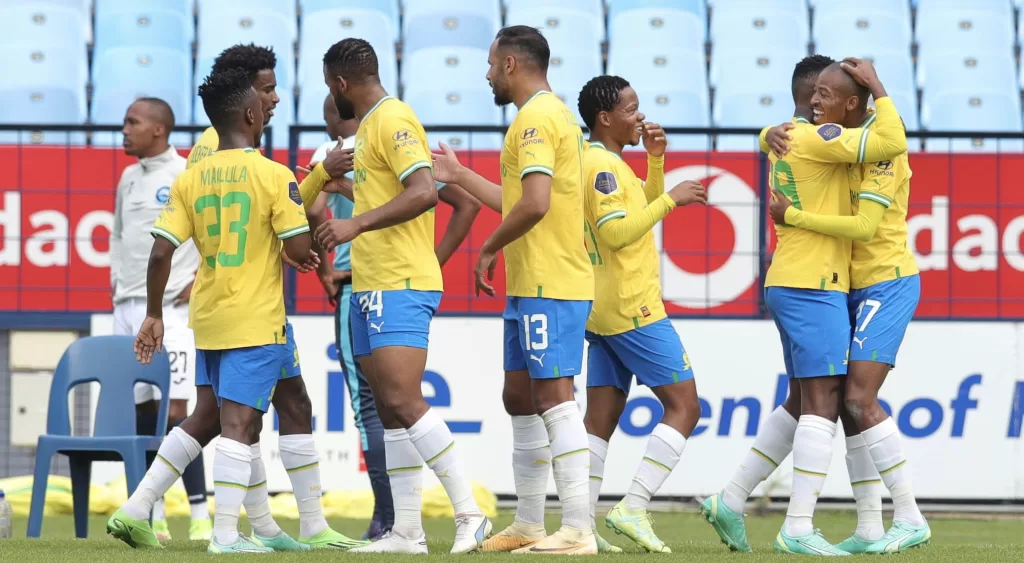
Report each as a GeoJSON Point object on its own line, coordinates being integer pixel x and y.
{"type": "Point", "coordinates": [966, 221]}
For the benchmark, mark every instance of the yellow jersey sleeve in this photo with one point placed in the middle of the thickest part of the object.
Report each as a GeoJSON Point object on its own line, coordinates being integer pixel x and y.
{"type": "Point", "coordinates": [175, 222]}
{"type": "Point", "coordinates": [403, 144]}
{"type": "Point", "coordinates": [834, 143]}
{"type": "Point", "coordinates": [859, 227]}
{"type": "Point", "coordinates": [762, 140]}
{"type": "Point", "coordinates": [879, 184]}
{"type": "Point", "coordinates": [313, 184]}
{"type": "Point", "coordinates": [288, 217]}
{"type": "Point", "coordinates": [535, 144]}
{"type": "Point", "coordinates": [204, 147]}
{"type": "Point", "coordinates": [654, 186]}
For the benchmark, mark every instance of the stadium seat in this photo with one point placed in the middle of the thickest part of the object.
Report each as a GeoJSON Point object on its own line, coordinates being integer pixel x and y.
{"type": "Point", "coordinates": [284, 116]}
{"type": "Point", "coordinates": [457, 106]}
{"type": "Point", "coordinates": [973, 111]}
{"type": "Point", "coordinates": [677, 108]}
{"type": "Point", "coordinates": [450, 25]}
{"type": "Point", "coordinates": [58, 25]}
{"type": "Point", "coordinates": [696, 7]}
{"type": "Point", "coordinates": [829, 8]}
{"type": "Point", "coordinates": [840, 33]}
{"type": "Point", "coordinates": [658, 70]}
{"type": "Point", "coordinates": [745, 70]}
{"type": "Point", "coordinates": [110, 104]}
{"type": "Point", "coordinates": [487, 9]}
{"type": "Point", "coordinates": [220, 28]}
{"type": "Point", "coordinates": [147, 27]}
{"type": "Point", "coordinates": [311, 112]}
{"type": "Point", "coordinates": [658, 27]}
{"type": "Point", "coordinates": [781, 24]}
{"type": "Point", "coordinates": [941, 70]}
{"type": "Point", "coordinates": [568, 72]}
{"type": "Point", "coordinates": [312, 9]}
{"type": "Point", "coordinates": [286, 8]}
{"type": "Point", "coordinates": [331, 26]}
{"type": "Point", "coordinates": [41, 65]}
{"type": "Point", "coordinates": [977, 26]}
{"type": "Point", "coordinates": [445, 65]}
{"type": "Point", "coordinates": [107, 7]}
{"type": "Point", "coordinates": [563, 28]}
{"type": "Point", "coordinates": [753, 110]}
{"type": "Point", "coordinates": [45, 105]}
{"type": "Point", "coordinates": [109, 361]}
{"type": "Point", "coordinates": [594, 7]}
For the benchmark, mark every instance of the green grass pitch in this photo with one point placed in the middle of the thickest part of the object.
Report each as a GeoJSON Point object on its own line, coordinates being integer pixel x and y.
{"type": "Point", "coordinates": [691, 539]}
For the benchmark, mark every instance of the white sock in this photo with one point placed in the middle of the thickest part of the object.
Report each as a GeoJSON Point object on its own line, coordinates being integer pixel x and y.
{"type": "Point", "coordinates": [405, 471]}
{"type": "Point", "coordinates": [158, 509]}
{"type": "Point", "coordinates": [812, 453]}
{"type": "Point", "coordinates": [598, 453]}
{"type": "Point", "coordinates": [867, 488]}
{"type": "Point", "coordinates": [301, 461]}
{"type": "Point", "coordinates": [664, 448]}
{"type": "Point", "coordinates": [886, 451]}
{"type": "Point", "coordinates": [531, 467]}
{"type": "Point", "coordinates": [176, 452]}
{"type": "Point", "coordinates": [232, 466]}
{"type": "Point", "coordinates": [570, 458]}
{"type": "Point", "coordinates": [433, 440]}
{"type": "Point", "coordinates": [773, 443]}
{"type": "Point", "coordinates": [200, 511]}
{"type": "Point", "coordinates": [257, 500]}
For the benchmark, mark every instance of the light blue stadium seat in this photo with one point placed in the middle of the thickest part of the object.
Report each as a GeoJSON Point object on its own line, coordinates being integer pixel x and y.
{"type": "Point", "coordinates": [563, 28]}
{"type": "Point", "coordinates": [331, 26]}
{"type": "Point", "coordinates": [595, 7]}
{"type": "Point", "coordinates": [45, 105]}
{"type": "Point", "coordinates": [894, 68]}
{"type": "Point", "coordinates": [829, 8]}
{"type": "Point", "coordinates": [695, 7]}
{"type": "Point", "coordinates": [848, 32]}
{"type": "Point", "coordinates": [677, 108]}
{"type": "Point", "coordinates": [445, 65]}
{"type": "Point", "coordinates": [220, 28]}
{"type": "Point", "coordinates": [488, 9]}
{"type": "Point", "coordinates": [150, 27]}
{"type": "Point", "coordinates": [940, 70]}
{"type": "Point", "coordinates": [311, 112]}
{"type": "Point", "coordinates": [113, 6]}
{"type": "Point", "coordinates": [451, 28]}
{"type": "Point", "coordinates": [664, 28]}
{"type": "Point", "coordinates": [109, 105]}
{"type": "Point", "coordinates": [906, 105]}
{"type": "Point", "coordinates": [658, 69]}
{"type": "Point", "coordinates": [284, 115]}
{"type": "Point", "coordinates": [311, 9]}
{"type": "Point", "coordinates": [40, 65]}
{"type": "Point", "coordinates": [285, 8]}
{"type": "Point", "coordinates": [781, 23]}
{"type": "Point", "coordinates": [59, 25]}
{"type": "Point", "coordinates": [458, 105]}
{"type": "Point", "coordinates": [973, 111]}
{"type": "Point", "coordinates": [976, 26]}
{"type": "Point", "coordinates": [568, 72]}
{"type": "Point", "coordinates": [753, 110]}
{"type": "Point", "coordinates": [745, 70]}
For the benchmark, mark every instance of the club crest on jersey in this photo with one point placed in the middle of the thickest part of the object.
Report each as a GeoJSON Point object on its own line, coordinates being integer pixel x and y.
{"type": "Point", "coordinates": [830, 131]}
{"type": "Point", "coordinates": [293, 193]}
{"type": "Point", "coordinates": [605, 183]}
{"type": "Point", "coordinates": [163, 194]}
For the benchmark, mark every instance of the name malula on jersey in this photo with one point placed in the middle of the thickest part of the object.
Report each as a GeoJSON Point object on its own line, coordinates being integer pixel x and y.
{"type": "Point", "coordinates": [224, 175]}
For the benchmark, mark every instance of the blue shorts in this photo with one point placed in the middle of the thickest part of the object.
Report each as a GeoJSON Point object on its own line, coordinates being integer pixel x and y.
{"type": "Point", "coordinates": [245, 375]}
{"type": "Point", "coordinates": [815, 330]}
{"type": "Point", "coordinates": [880, 315]}
{"type": "Point", "coordinates": [653, 353]}
{"type": "Point", "coordinates": [547, 332]}
{"type": "Point", "coordinates": [291, 369]}
{"type": "Point", "coordinates": [404, 313]}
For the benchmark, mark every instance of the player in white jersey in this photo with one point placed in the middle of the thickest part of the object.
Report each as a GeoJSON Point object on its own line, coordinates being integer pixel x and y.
{"type": "Point", "coordinates": [141, 194]}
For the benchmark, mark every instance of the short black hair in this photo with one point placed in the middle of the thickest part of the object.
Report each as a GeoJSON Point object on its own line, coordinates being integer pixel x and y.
{"type": "Point", "coordinates": [600, 94]}
{"type": "Point", "coordinates": [528, 41]}
{"type": "Point", "coordinates": [166, 114]}
{"type": "Point", "coordinates": [808, 69]}
{"type": "Point", "coordinates": [224, 93]}
{"type": "Point", "coordinates": [352, 58]}
{"type": "Point", "coordinates": [251, 58]}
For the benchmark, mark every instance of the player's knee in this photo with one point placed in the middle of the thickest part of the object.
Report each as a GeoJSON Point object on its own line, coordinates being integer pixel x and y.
{"type": "Point", "coordinates": [857, 401]}
{"type": "Point", "coordinates": [518, 402]}
{"type": "Point", "coordinates": [177, 410]}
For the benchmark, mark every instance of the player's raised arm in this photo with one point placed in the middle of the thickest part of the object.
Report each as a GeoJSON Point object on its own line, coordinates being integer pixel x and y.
{"type": "Point", "coordinates": [448, 170]}
{"type": "Point", "coordinates": [655, 142]}
{"type": "Point", "coordinates": [464, 211]}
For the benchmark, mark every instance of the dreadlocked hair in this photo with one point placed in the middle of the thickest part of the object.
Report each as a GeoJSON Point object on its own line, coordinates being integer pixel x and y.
{"type": "Point", "coordinates": [250, 58]}
{"type": "Point", "coordinates": [600, 94]}
{"type": "Point", "coordinates": [353, 59]}
{"type": "Point", "coordinates": [224, 93]}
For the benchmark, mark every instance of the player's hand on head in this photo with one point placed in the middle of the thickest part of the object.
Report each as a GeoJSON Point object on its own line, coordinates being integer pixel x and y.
{"type": "Point", "coordinates": [446, 165]}
{"type": "Point", "coordinates": [149, 340]}
{"type": "Point", "coordinates": [777, 206]}
{"type": "Point", "coordinates": [687, 192]}
{"type": "Point", "coordinates": [484, 271]}
{"type": "Point", "coordinates": [778, 139]}
{"type": "Point", "coordinates": [339, 162]}
{"type": "Point", "coordinates": [861, 70]}
{"type": "Point", "coordinates": [336, 231]}
{"type": "Point", "coordinates": [654, 138]}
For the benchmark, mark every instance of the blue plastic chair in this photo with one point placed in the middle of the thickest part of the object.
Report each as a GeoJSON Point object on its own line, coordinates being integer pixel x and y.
{"type": "Point", "coordinates": [149, 27]}
{"type": "Point", "coordinates": [488, 9]}
{"type": "Point", "coordinates": [743, 70]}
{"type": "Point", "coordinates": [286, 8]}
{"type": "Point", "coordinates": [110, 104]}
{"type": "Point", "coordinates": [696, 7]}
{"type": "Point", "coordinates": [449, 29]}
{"type": "Point", "coordinates": [40, 65]}
{"type": "Point", "coordinates": [43, 105]}
{"type": "Point", "coordinates": [562, 27]}
{"type": "Point", "coordinates": [754, 110]}
{"type": "Point", "coordinates": [445, 65]}
{"type": "Point", "coordinates": [220, 28]}
{"type": "Point", "coordinates": [457, 106]}
{"type": "Point", "coordinates": [677, 108]}
{"type": "Point", "coordinates": [754, 23]}
{"type": "Point", "coordinates": [595, 7]}
{"type": "Point", "coordinates": [660, 28]}
{"type": "Point", "coordinates": [832, 7]}
{"type": "Point", "coordinates": [55, 24]}
{"type": "Point", "coordinates": [979, 25]}
{"type": "Point", "coordinates": [840, 34]}
{"type": "Point", "coordinates": [978, 110]}
{"type": "Point", "coordinates": [311, 112]}
{"type": "Point", "coordinates": [388, 8]}
{"type": "Point", "coordinates": [649, 70]}
{"type": "Point", "coordinates": [941, 70]}
{"type": "Point", "coordinates": [330, 26]}
{"type": "Point", "coordinates": [109, 361]}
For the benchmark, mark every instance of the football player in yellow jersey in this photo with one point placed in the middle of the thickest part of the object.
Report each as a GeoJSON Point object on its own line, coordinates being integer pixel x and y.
{"type": "Point", "coordinates": [628, 331]}
{"type": "Point", "coordinates": [291, 401]}
{"type": "Point", "coordinates": [806, 291]}
{"type": "Point", "coordinates": [396, 289]}
{"type": "Point", "coordinates": [237, 206]}
{"type": "Point", "coordinates": [550, 287]}
{"type": "Point", "coordinates": [885, 290]}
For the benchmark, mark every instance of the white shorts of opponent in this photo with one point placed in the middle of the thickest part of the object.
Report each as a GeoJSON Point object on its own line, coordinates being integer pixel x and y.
{"type": "Point", "coordinates": [179, 345]}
